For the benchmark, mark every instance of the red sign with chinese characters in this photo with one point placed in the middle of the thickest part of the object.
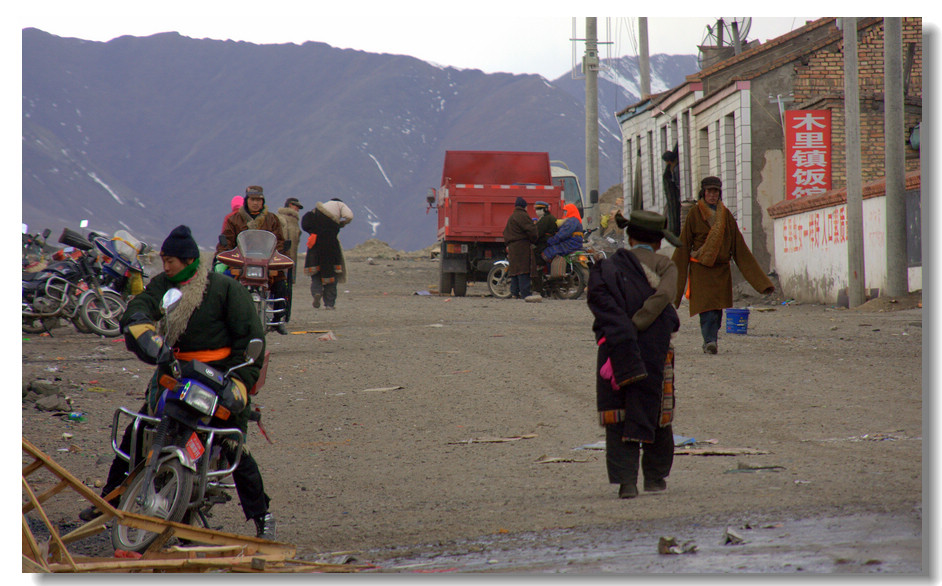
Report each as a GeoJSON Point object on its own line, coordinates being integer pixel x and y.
{"type": "Point", "coordinates": [807, 152]}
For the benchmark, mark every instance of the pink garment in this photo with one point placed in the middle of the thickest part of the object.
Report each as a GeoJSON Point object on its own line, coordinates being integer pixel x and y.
{"type": "Point", "coordinates": [236, 202]}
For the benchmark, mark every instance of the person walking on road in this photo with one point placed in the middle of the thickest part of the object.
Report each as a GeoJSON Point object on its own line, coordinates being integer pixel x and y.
{"type": "Point", "coordinates": [519, 233]}
{"type": "Point", "coordinates": [291, 224]}
{"type": "Point", "coordinates": [709, 240]}
{"type": "Point", "coordinates": [629, 295]}
{"type": "Point", "coordinates": [325, 261]}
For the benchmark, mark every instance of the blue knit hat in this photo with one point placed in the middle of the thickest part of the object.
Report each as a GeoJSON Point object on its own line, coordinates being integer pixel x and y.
{"type": "Point", "coordinates": [520, 203]}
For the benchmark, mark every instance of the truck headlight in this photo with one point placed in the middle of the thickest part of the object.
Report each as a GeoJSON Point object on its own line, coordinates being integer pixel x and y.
{"type": "Point", "coordinates": [198, 397]}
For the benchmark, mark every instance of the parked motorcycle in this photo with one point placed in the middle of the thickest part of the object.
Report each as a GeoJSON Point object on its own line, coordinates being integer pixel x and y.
{"type": "Point", "coordinates": [182, 472]}
{"type": "Point", "coordinates": [565, 277]}
{"type": "Point", "coordinates": [253, 262]}
{"type": "Point", "coordinates": [76, 288]}
{"type": "Point", "coordinates": [35, 250]}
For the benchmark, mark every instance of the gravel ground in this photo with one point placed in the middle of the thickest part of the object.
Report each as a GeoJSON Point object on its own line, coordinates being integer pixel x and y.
{"type": "Point", "coordinates": [431, 421]}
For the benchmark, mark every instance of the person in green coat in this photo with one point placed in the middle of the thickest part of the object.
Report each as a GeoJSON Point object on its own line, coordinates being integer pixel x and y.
{"type": "Point", "coordinates": [710, 239]}
{"type": "Point", "coordinates": [213, 323]}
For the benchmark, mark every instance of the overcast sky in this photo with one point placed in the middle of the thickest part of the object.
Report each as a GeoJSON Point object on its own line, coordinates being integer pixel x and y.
{"type": "Point", "coordinates": [516, 36]}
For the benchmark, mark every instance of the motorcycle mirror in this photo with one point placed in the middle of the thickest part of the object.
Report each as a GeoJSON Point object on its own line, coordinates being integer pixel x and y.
{"type": "Point", "coordinates": [46, 233]}
{"type": "Point", "coordinates": [171, 298]}
{"type": "Point", "coordinates": [254, 349]}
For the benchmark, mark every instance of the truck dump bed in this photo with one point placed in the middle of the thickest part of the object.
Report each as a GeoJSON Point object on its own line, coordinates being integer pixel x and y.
{"type": "Point", "coordinates": [479, 189]}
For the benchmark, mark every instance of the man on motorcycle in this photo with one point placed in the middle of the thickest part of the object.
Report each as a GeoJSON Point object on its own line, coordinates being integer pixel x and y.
{"type": "Point", "coordinates": [545, 227]}
{"type": "Point", "coordinates": [254, 215]}
{"type": "Point", "coordinates": [213, 324]}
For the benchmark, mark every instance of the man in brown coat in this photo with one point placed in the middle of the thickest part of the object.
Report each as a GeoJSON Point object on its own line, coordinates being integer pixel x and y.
{"type": "Point", "coordinates": [519, 233]}
{"type": "Point", "coordinates": [291, 224]}
{"type": "Point", "coordinates": [710, 239]}
{"type": "Point", "coordinates": [254, 215]}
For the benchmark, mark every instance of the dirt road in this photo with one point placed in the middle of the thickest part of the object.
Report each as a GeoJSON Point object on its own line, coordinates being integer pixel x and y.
{"type": "Point", "coordinates": [430, 420]}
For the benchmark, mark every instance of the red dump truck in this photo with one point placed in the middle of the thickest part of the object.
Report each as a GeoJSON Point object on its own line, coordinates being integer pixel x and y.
{"type": "Point", "coordinates": [476, 197]}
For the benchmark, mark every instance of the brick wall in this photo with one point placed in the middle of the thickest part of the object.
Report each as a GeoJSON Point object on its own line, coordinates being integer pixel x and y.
{"type": "Point", "coordinates": [819, 84]}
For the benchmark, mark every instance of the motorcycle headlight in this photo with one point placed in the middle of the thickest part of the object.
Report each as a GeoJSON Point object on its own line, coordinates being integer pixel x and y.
{"type": "Point", "coordinates": [255, 272]}
{"type": "Point", "coordinates": [199, 397]}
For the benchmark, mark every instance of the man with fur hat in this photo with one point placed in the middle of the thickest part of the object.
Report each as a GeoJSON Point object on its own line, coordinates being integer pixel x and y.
{"type": "Point", "coordinates": [710, 239]}
{"type": "Point", "coordinates": [324, 261]}
{"type": "Point", "coordinates": [519, 233]}
{"type": "Point", "coordinates": [291, 224]}
{"type": "Point", "coordinates": [213, 323]}
{"type": "Point", "coordinates": [629, 295]}
{"type": "Point", "coordinates": [254, 215]}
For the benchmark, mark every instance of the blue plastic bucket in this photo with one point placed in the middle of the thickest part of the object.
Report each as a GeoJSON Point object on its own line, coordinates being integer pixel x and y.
{"type": "Point", "coordinates": [737, 321]}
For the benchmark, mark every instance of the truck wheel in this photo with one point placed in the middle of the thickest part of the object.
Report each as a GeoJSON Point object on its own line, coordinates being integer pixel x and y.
{"type": "Point", "coordinates": [446, 281]}
{"type": "Point", "coordinates": [461, 284]}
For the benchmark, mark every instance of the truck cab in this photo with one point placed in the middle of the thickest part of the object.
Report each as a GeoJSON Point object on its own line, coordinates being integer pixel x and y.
{"type": "Point", "coordinates": [572, 191]}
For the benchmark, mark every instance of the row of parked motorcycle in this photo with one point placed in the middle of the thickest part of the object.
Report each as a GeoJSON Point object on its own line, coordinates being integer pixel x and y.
{"type": "Point", "coordinates": [85, 283]}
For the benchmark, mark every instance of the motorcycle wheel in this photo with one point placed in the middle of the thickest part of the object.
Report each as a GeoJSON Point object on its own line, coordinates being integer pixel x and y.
{"type": "Point", "coordinates": [38, 325]}
{"type": "Point", "coordinates": [80, 326]}
{"type": "Point", "coordinates": [572, 286]}
{"type": "Point", "coordinates": [497, 282]}
{"type": "Point", "coordinates": [103, 318]}
{"type": "Point", "coordinates": [173, 485]}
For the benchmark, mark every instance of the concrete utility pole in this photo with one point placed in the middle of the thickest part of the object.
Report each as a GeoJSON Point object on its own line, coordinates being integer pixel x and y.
{"type": "Point", "coordinates": [590, 65]}
{"type": "Point", "coordinates": [855, 258]}
{"type": "Point", "coordinates": [645, 62]}
{"type": "Point", "coordinates": [897, 260]}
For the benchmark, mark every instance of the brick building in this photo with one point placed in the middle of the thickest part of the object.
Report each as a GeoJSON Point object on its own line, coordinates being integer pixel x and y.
{"type": "Point", "coordinates": [728, 120]}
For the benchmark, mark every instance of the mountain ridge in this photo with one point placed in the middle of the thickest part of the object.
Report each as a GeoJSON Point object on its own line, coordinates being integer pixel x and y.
{"type": "Point", "coordinates": [144, 133]}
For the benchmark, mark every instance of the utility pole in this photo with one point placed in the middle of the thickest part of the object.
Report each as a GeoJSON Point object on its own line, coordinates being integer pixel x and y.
{"type": "Point", "coordinates": [645, 62]}
{"type": "Point", "coordinates": [590, 65]}
{"type": "Point", "coordinates": [897, 260]}
{"type": "Point", "coordinates": [855, 258]}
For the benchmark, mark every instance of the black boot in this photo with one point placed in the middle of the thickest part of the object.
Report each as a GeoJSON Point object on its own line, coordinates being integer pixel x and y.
{"type": "Point", "coordinates": [265, 527]}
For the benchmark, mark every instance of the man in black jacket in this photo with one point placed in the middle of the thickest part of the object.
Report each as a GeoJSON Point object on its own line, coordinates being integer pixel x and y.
{"type": "Point", "coordinates": [213, 323]}
{"type": "Point", "coordinates": [634, 381]}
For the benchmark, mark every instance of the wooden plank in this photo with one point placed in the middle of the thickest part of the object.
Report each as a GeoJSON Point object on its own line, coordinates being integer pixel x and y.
{"type": "Point", "coordinates": [106, 565]}
{"type": "Point", "coordinates": [36, 465]}
{"type": "Point", "coordinates": [52, 529]}
{"type": "Point", "coordinates": [207, 536]}
{"type": "Point", "coordinates": [79, 487]}
{"type": "Point", "coordinates": [31, 567]}
{"type": "Point", "coordinates": [27, 507]}
{"type": "Point", "coordinates": [30, 547]}
{"type": "Point", "coordinates": [93, 527]}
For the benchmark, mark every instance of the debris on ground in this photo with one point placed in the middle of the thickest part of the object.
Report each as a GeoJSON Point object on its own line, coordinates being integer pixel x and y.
{"type": "Point", "coordinates": [744, 467]}
{"type": "Point", "coordinates": [730, 537]}
{"type": "Point", "coordinates": [205, 550]}
{"type": "Point", "coordinates": [544, 459]}
{"type": "Point", "coordinates": [670, 545]}
{"type": "Point", "coordinates": [494, 440]}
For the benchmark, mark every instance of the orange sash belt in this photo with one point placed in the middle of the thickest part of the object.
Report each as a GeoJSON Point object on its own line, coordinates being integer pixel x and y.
{"type": "Point", "coordinates": [204, 355]}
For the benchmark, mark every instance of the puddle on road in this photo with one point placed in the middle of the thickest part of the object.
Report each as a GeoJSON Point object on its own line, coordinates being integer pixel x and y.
{"type": "Point", "coordinates": [854, 544]}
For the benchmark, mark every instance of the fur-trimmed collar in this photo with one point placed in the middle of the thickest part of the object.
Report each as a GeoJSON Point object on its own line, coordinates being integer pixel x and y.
{"type": "Point", "coordinates": [193, 293]}
{"type": "Point", "coordinates": [258, 222]}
